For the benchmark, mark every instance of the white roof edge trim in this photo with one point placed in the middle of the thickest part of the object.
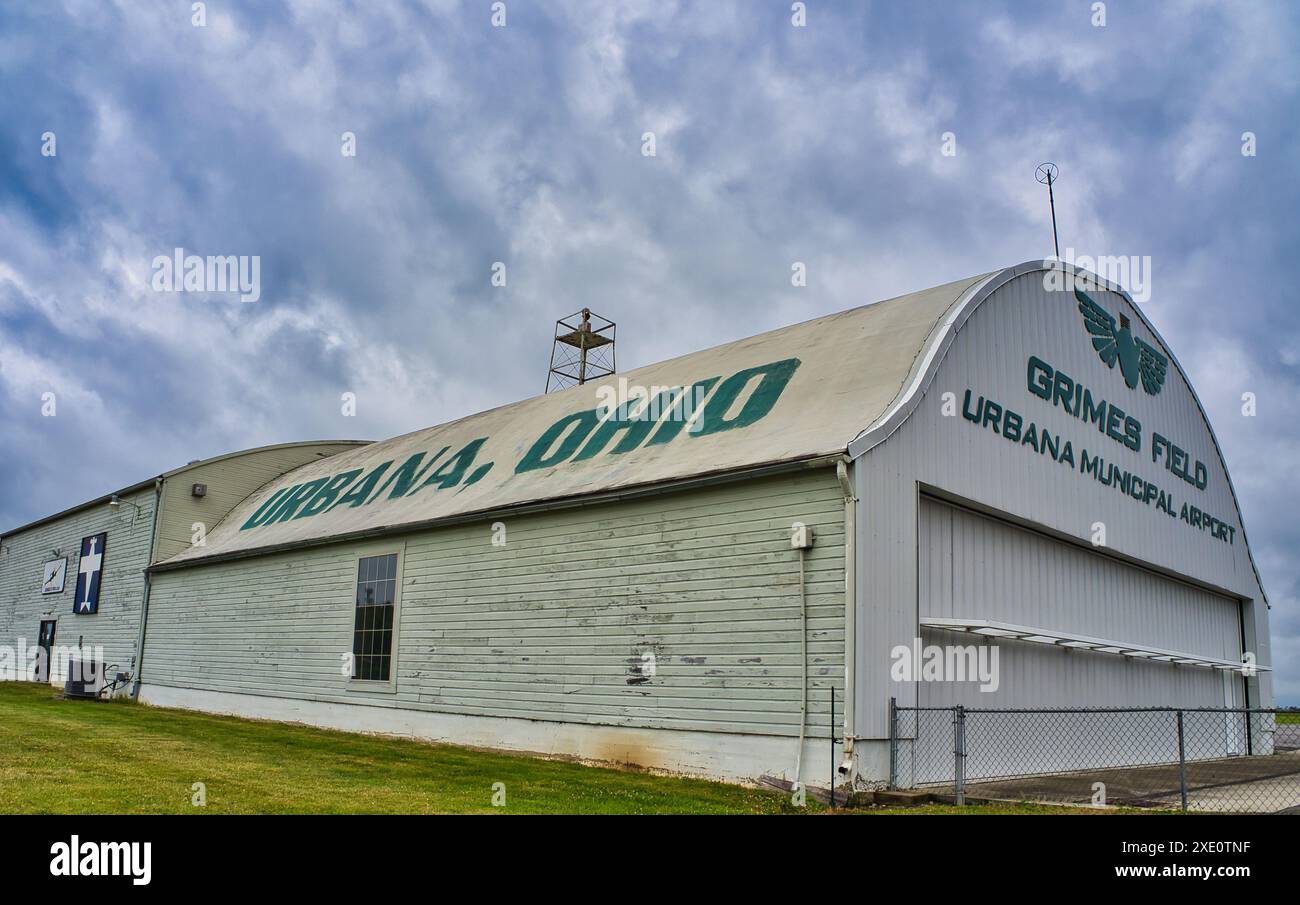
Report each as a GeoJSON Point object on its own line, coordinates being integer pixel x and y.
{"type": "Point", "coordinates": [990, 628]}
{"type": "Point", "coordinates": [939, 343]}
{"type": "Point", "coordinates": [937, 347]}
{"type": "Point", "coordinates": [902, 407]}
{"type": "Point", "coordinates": [272, 447]}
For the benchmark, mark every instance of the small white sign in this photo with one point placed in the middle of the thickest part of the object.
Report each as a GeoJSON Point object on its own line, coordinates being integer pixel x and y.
{"type": "Point", "coordinates": [56, 572]}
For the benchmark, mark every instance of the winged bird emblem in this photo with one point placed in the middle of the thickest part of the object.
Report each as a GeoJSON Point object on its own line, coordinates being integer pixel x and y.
{"type": "Point", "coordinates": [1137, 360]}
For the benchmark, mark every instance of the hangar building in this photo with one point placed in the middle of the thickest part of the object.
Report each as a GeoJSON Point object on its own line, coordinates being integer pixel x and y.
{"type": "Point", "coordinates": [77, 580]}
{"type": "Point", "coordinates": [725, 553]}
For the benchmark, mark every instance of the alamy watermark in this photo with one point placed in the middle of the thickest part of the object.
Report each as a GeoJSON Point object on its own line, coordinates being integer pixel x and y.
{"type": "Point", "coordinates": [75, 858]}
{"type": "Point", "coordinates": [1132, 273]}
{"type": "Point", "coordinates": [920, 662]}
{"type": "Point", "coordinates": [632, 402]}
{"type": "Point", "coordinates": [24, 662]}
{"type": "Point", "coordinates": [179, 272]}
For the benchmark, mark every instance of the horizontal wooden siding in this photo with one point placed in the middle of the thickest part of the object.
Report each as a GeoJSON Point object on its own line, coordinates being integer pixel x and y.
{"type": "Point", "coordinates": [554, 625]}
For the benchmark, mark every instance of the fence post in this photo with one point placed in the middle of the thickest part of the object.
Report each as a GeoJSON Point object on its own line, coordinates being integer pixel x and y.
{"type": "Point", "coordinates": [1182, 763]}
{"type": "Point", "coordinates": [893, 743]}
{"type": "Point", "coordinates": [959, 753]}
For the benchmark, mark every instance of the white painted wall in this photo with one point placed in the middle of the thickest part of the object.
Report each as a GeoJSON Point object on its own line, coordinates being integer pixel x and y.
{"type": "Point", "coordinates": [116, 626]}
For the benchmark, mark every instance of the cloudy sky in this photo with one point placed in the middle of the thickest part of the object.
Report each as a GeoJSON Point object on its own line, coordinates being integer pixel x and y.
{"type": "Point", "coordinates": [523, 144]}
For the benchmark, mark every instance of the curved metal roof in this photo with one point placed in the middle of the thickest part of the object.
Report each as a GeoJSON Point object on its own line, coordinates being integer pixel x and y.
{"type": "Point", "coordinates": [793, 394]}
{"type": "Point", "coordinates": [835, 385]}
{"type": "Point", "coordinates": [168, 475]}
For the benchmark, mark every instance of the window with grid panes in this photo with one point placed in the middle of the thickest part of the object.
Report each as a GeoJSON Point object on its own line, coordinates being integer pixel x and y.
{"type": "Point", "coordinates": [372, 636]}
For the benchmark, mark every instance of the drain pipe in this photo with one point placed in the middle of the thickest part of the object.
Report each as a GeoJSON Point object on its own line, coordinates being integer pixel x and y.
{"type": "Point", "coordinates": [850, 611]}
{"type": "Point", "coordinates": [803, 636]}
{"type": "Point", "coordinates": [148, 584]}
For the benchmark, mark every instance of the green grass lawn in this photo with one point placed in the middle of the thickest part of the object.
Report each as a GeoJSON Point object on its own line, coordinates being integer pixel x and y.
{"type": "Point", "coordinates": [1289, 717]}
{"type": "Point", "coordinates": [67, 757]}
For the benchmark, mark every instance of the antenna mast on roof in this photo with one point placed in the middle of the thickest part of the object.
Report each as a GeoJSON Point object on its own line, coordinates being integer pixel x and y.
{"type": "Point", "coordinates": [1046, 174]}
{"type": "Point", "coordinates": [583, 350]}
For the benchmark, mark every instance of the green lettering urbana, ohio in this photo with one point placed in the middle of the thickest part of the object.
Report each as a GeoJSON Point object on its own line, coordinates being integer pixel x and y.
{"type": "Point", "coordinates": [562, 440]}
{"type": "Point", "coordinates": [698, 410]}
{"type": "Point", "coordinates": [326, 494]}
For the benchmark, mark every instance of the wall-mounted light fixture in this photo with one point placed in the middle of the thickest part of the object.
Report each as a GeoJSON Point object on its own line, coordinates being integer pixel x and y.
{"type": "Point", "coordinates": [115, 502]}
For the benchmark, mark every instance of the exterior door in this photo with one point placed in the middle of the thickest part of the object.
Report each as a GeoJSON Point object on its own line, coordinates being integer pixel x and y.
{"type": "Point", "coordinates": [45, 642]}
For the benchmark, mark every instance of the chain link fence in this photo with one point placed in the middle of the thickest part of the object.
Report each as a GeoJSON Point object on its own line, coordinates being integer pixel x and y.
{"type": "Point", "coordinates": [1191, 759]}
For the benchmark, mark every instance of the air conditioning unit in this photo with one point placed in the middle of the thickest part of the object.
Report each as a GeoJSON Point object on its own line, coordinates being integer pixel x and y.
{"type": "Point", "coordinates": [85, 679]}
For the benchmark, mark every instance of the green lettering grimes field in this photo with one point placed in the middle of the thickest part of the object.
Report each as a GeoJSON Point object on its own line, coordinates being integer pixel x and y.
{"type": "Point", "coordinates": [574, 438]}
{"type": "Point", "coordinates": [1137, 361]}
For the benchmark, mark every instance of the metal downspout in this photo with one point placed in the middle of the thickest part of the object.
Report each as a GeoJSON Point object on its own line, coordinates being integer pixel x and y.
{"type": "Point", "coordinates": [148, 584]}
{"type": "Point", "coordinates": [803, 635]}
{"type": "Point", "coordinates": [850, 612]}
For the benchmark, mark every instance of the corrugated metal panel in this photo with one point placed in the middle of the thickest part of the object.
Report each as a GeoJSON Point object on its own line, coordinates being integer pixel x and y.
{"type": "Point", "coordinates": [822, 382]}
{"type": "Point", "coordinates": [552, 626]}
{"type": "Point", "coordinates": [973, 566]}
{"type": "Point", "coordinates": [116, 626]}
{"type": "Point", "coordinates": [978, 567]}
